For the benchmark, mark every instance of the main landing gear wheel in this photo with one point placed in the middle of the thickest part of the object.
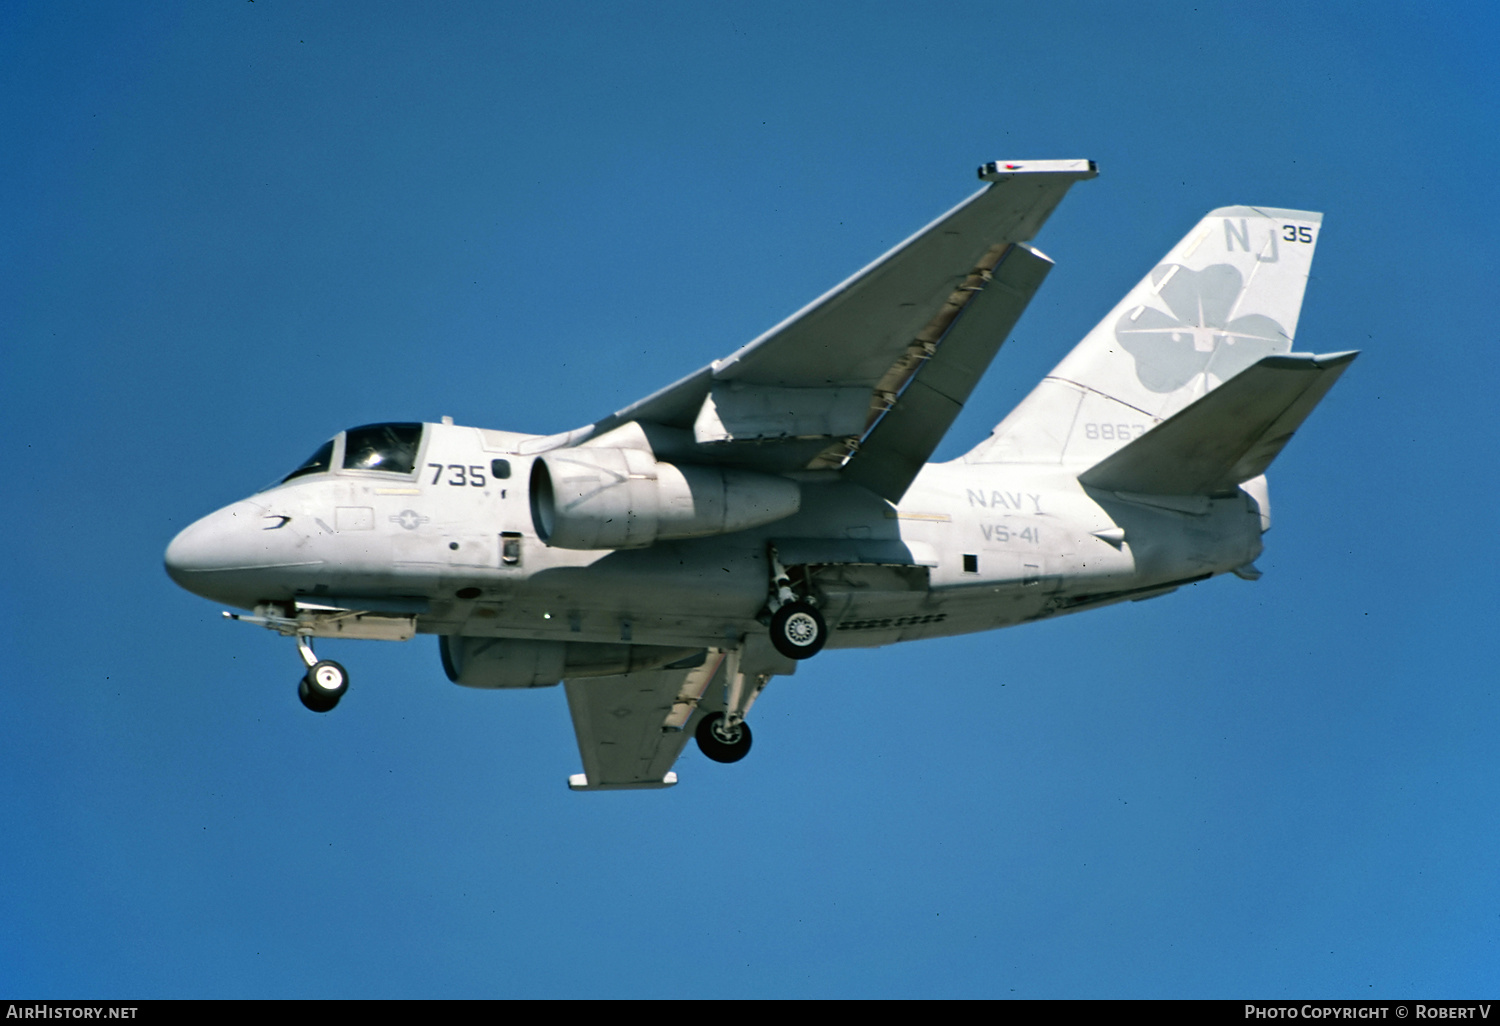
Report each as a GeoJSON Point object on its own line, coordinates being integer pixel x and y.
{"type": "Point", "coordinates": [721, 743]}
{"type": "Point", "coordinates": [323, 686]}
{"type": "Point", "coordinates": [798, 630]}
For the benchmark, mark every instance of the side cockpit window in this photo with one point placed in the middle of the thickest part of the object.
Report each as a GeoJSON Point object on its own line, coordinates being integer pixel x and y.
{"type": "Point", "coordinates": [318, 463]}
{"type": "Point", "coordinates": [388, 447]}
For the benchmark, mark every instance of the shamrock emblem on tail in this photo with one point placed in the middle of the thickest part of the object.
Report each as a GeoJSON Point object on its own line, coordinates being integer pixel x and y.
{"type": "Point", "coordinates": [1171, 349]}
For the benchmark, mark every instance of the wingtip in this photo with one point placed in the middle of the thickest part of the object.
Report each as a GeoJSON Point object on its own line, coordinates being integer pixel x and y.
{"type": "Point", "coordinates": [1336, 359]}
{"type": "Point", "coordinates": [580, 782]}
{"type": "Point", "coordinates": [1003, 170]}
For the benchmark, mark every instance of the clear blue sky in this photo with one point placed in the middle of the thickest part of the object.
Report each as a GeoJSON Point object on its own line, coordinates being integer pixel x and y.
{"type": "Point", "coordinates": [230, 229]}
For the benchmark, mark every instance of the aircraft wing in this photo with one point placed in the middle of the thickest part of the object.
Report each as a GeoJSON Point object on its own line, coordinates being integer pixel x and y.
{"type": "Point", "coordinates": [910, 334]}
{"type": "Point", "coordinates": [631, 728]}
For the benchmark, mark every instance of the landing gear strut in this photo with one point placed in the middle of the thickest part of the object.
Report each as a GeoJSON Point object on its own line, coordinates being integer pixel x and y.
{"type": "Point", "coordinates": [325, 681]}
{"type": "Point", "coordinates": [725, 736]}
{"type": "Point", "coordinates": [797, 628]}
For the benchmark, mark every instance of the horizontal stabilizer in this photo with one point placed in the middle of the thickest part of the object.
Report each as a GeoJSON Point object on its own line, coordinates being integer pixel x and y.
{"type": "Point", "coordinates": [1227, 437]}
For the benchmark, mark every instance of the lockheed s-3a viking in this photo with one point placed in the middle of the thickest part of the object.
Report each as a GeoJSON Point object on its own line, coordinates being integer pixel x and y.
{"type": "Point", "coordinates": [667, 561]}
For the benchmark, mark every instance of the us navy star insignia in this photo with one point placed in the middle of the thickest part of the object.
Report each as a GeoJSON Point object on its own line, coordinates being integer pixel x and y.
{"type": "Point", "coordinates": [409, 519]}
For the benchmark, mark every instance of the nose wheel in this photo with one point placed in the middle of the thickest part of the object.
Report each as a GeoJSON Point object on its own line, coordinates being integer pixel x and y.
{"type": "Point", "coordinates": [325, 681]}
{"type": "Point", "coordinates": [323, 686]}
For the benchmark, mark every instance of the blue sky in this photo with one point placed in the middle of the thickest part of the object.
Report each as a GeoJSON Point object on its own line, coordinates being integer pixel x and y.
{"type": "Point", "coordinates": [232, 229]}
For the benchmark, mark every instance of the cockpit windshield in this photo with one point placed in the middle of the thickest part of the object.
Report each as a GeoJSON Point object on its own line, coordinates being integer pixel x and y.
{"type": "Point", "coordinates": [317, 463]}
{"type": "Point", "coordinates": [388, 447]}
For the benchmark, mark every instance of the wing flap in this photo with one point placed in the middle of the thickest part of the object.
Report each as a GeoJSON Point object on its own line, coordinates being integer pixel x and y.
{"type": "Point", "coordinates": [1228, 436]}
{"type": "Point", "coordinates": [895, 450]}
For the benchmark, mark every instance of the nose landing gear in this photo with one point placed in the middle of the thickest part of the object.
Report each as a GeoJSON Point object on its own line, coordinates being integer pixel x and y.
{"type": "Point", "coordinates": [325, 681]}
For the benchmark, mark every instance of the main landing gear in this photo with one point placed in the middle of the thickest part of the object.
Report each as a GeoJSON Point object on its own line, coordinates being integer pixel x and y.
{"type": "Point", "coordinates": [725, 736]}
{"type": "Point", "coordinates": [722, 740]}
{"type": "Point", "coordinates": [325, 681]}
{"type": "Point", "coordinates": [797, 628]}
{"type": "Point", "coordinates": [798, 631]}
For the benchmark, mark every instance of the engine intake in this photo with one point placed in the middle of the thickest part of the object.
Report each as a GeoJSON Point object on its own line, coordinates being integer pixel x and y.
{"type": "Point", "coordinates": [625, 499]}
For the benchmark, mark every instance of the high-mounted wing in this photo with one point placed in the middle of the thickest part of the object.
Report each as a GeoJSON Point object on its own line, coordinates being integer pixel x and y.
{"type": "Point", "coordinates": [902, 342]}
{"type": "Point", "coordinates": [631, 728]}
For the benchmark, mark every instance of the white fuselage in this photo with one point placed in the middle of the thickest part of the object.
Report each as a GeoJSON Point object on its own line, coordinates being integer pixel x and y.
{"type": "Point", "coordinates": [970, 547]}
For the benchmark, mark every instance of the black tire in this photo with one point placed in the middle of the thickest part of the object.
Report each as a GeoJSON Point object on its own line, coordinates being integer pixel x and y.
{"type": "Point", "coordinates": [323, 686]}
{"type": "Point", "coordinates": [798, 630]}
{"type": "Point", "coordinates": [713, 743]}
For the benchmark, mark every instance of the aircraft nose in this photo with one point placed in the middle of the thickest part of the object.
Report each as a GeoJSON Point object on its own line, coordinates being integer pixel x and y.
{"type": "Point", "coordinates": [191, 550]}
{"type": "Point", "coordinates": [216, 542]}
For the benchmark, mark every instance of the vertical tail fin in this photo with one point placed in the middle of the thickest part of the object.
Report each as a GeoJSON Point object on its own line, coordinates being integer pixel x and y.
{"type": "Point", "coordinates": [1227, 296]}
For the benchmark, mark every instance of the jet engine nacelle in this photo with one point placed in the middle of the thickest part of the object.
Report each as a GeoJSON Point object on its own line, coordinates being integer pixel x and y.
{"type": "Point", "coordinates": [521, 663]}
{"type": "Point", "coordinates": [590, 498]}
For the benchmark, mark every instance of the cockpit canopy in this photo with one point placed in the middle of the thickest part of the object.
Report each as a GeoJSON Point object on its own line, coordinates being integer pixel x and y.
{"type": "Point", "coordinates": [388, 448]}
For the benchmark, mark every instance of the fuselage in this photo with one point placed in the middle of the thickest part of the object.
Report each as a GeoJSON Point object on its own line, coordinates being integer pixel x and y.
{"type": "Point", "coordinates": [446, 535]}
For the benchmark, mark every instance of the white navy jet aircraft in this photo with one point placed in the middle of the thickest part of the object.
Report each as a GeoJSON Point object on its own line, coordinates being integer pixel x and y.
{"type": "Point", "coordinates": [666, 562]}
